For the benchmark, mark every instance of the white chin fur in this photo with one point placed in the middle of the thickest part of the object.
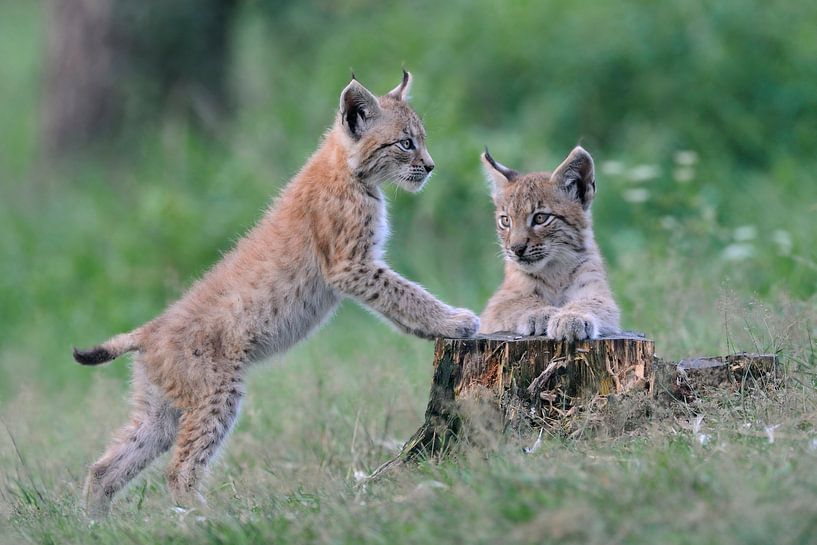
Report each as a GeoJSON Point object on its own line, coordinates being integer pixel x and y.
{"type": "Point", "coordinates": [411, 187]}
{"type": "Point", "coordinates": [536, 266]}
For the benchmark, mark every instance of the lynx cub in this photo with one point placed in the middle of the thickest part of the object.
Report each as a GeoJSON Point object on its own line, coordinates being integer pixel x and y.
{"type": "Point", "coordinates": [555, 283]}
{"type": "Point", "coordinates": [321, 240]}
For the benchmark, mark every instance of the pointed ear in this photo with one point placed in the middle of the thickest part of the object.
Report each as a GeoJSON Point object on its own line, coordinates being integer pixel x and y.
{"type": "Point", "coordinates": [401, 91]}
{"type": "Point", "coordinates": [577, 177]}
{"type": "Point", "coordinates": [498, 174]}
{"type": "Point", "coordinates": [358, 107]}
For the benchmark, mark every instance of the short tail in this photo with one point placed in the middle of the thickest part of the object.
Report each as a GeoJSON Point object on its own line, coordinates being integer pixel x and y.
{"type": "Point", "coordinates": [110, 349]}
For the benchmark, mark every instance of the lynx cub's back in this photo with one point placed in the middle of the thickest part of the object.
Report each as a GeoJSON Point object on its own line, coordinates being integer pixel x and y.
{"type": "Point", "coordinates": [320, 241]}
{"type": "Point", "coordinates": [555, 283]}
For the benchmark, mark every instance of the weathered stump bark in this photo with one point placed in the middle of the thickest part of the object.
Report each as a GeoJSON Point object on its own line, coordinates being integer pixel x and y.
{"type": "Point", "coordinates": [518, 382]}
{"type": "Point", "coordinates": [523, 382]}
{"type": "Point", "coordinates": [696, 377]}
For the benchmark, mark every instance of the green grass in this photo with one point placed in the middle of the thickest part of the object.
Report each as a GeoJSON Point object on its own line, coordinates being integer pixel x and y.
{"type": "Point", "coordinates": [288, 474]}
{"type": "Point", "coordinates": [711, 253]}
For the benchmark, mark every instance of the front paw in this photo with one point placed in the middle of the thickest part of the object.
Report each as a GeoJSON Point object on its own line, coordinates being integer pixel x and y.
{"type": "Point", "coordinates": [462, 323]}
{"type": "Point", "coordinates": [533, 321]}
{"type": "Point", "coordinates": [572, 326]}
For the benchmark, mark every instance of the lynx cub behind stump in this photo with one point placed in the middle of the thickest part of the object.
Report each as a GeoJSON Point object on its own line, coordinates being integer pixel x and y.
{"type": "Point", "coordinates": [555, 283]}
{"type": "Point", "coordinates": [321, 240]}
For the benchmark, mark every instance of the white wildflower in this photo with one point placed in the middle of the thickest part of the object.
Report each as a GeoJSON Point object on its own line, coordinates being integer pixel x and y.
{"type": "Point", "coordinates": [702, 438]}
{"type": "Point", "coordinates": [643, 173]}
{"type": "Point", "coordinates": [782, 239]}
{"type": "Point", "coordinates": [636, 195]}
{"type": "Point", "coordinates": [431, 485]}
{"type": "Point", "coordinates": [535, 446]}
{"type": "Point", "coordinates": [708, 213]}
{"type": "Point", "coordinates": [612, 168]}
{"type": "Point", "coordinates": [770, 432]}
{"type": "Point", "coordinates": [745, 232]}
{"type": "Point", "coordinates": [738, 251]}
{"type": "Point", "coordinates": [669, 223]}
{"type": "Point", "coordinates": [685, 158]}
{"type": "Point", "coordinates": [683, 175]}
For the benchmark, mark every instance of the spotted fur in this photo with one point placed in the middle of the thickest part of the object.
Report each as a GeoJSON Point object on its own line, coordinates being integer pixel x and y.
{"type": "Point", "coordinates": [555, 283]}
{"type": "Point", "coordinates": [321, 240]}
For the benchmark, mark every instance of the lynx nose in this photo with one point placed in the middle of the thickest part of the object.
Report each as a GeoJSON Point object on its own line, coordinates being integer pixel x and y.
{"type": "Point", "coordinates": [428, 162]}
{"type": "Point", "coordinates": [519, 249]}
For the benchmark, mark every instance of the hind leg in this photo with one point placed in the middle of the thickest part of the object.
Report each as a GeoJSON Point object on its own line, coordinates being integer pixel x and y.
{"type": "Point", "coordinates": [201, 431]}
{"type": "Point", "coordinates": [150, 432]}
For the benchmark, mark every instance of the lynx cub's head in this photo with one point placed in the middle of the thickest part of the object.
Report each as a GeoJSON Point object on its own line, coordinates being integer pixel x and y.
{"type": "Point", "coordinates": [542, 217]}
{"type": "Point", "coordinates": [385, 138]}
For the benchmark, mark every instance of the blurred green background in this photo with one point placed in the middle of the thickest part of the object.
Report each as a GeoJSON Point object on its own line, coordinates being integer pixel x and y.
{"type": "Point", "coordinates": [701, 117]}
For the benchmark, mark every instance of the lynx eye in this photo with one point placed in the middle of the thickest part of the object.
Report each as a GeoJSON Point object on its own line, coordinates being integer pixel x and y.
{"type": "Point", "coordinates": [407, 144]}
{"type": "Point", "coordinates": [540, 218]}
{"type": "Point", "coordinates": [504, 221]}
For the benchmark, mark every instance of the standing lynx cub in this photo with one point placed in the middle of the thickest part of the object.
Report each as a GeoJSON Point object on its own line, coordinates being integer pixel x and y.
{"type": "Point", "coordinates": [555, 283]}
{"type": "Point", "coordinates": [321, 240]}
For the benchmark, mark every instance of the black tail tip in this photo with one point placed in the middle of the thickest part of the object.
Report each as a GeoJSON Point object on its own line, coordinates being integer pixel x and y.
{"type": "Point", "coordinates": [94, 356]}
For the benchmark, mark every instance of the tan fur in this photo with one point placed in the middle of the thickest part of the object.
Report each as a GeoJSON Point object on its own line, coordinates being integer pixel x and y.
{"type": "Point", "coordinates": [323, 239]}
{"type": "Point", "coordinates": [555, 283]}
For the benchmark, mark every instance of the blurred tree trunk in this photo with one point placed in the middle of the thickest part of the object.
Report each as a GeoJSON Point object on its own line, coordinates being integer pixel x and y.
{"type": "Point", "coordinates": [116, 61]}
{"type": "Point", "coordinates": [80, 95]}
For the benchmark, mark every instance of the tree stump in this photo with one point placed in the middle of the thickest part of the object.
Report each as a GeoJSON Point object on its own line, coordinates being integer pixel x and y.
{"type": "Point", "coordinates": [506, 381]}
{"type": "Point", "coordinates": [524, 381]}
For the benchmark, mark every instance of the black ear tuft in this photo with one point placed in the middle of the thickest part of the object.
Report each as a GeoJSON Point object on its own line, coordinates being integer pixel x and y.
{"type": "Point", "coordinates": [509, 173]}
{"type": "Point", "coordinates": [499, 175]}
{"type": "Point", "coordinates": [401, 91]}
